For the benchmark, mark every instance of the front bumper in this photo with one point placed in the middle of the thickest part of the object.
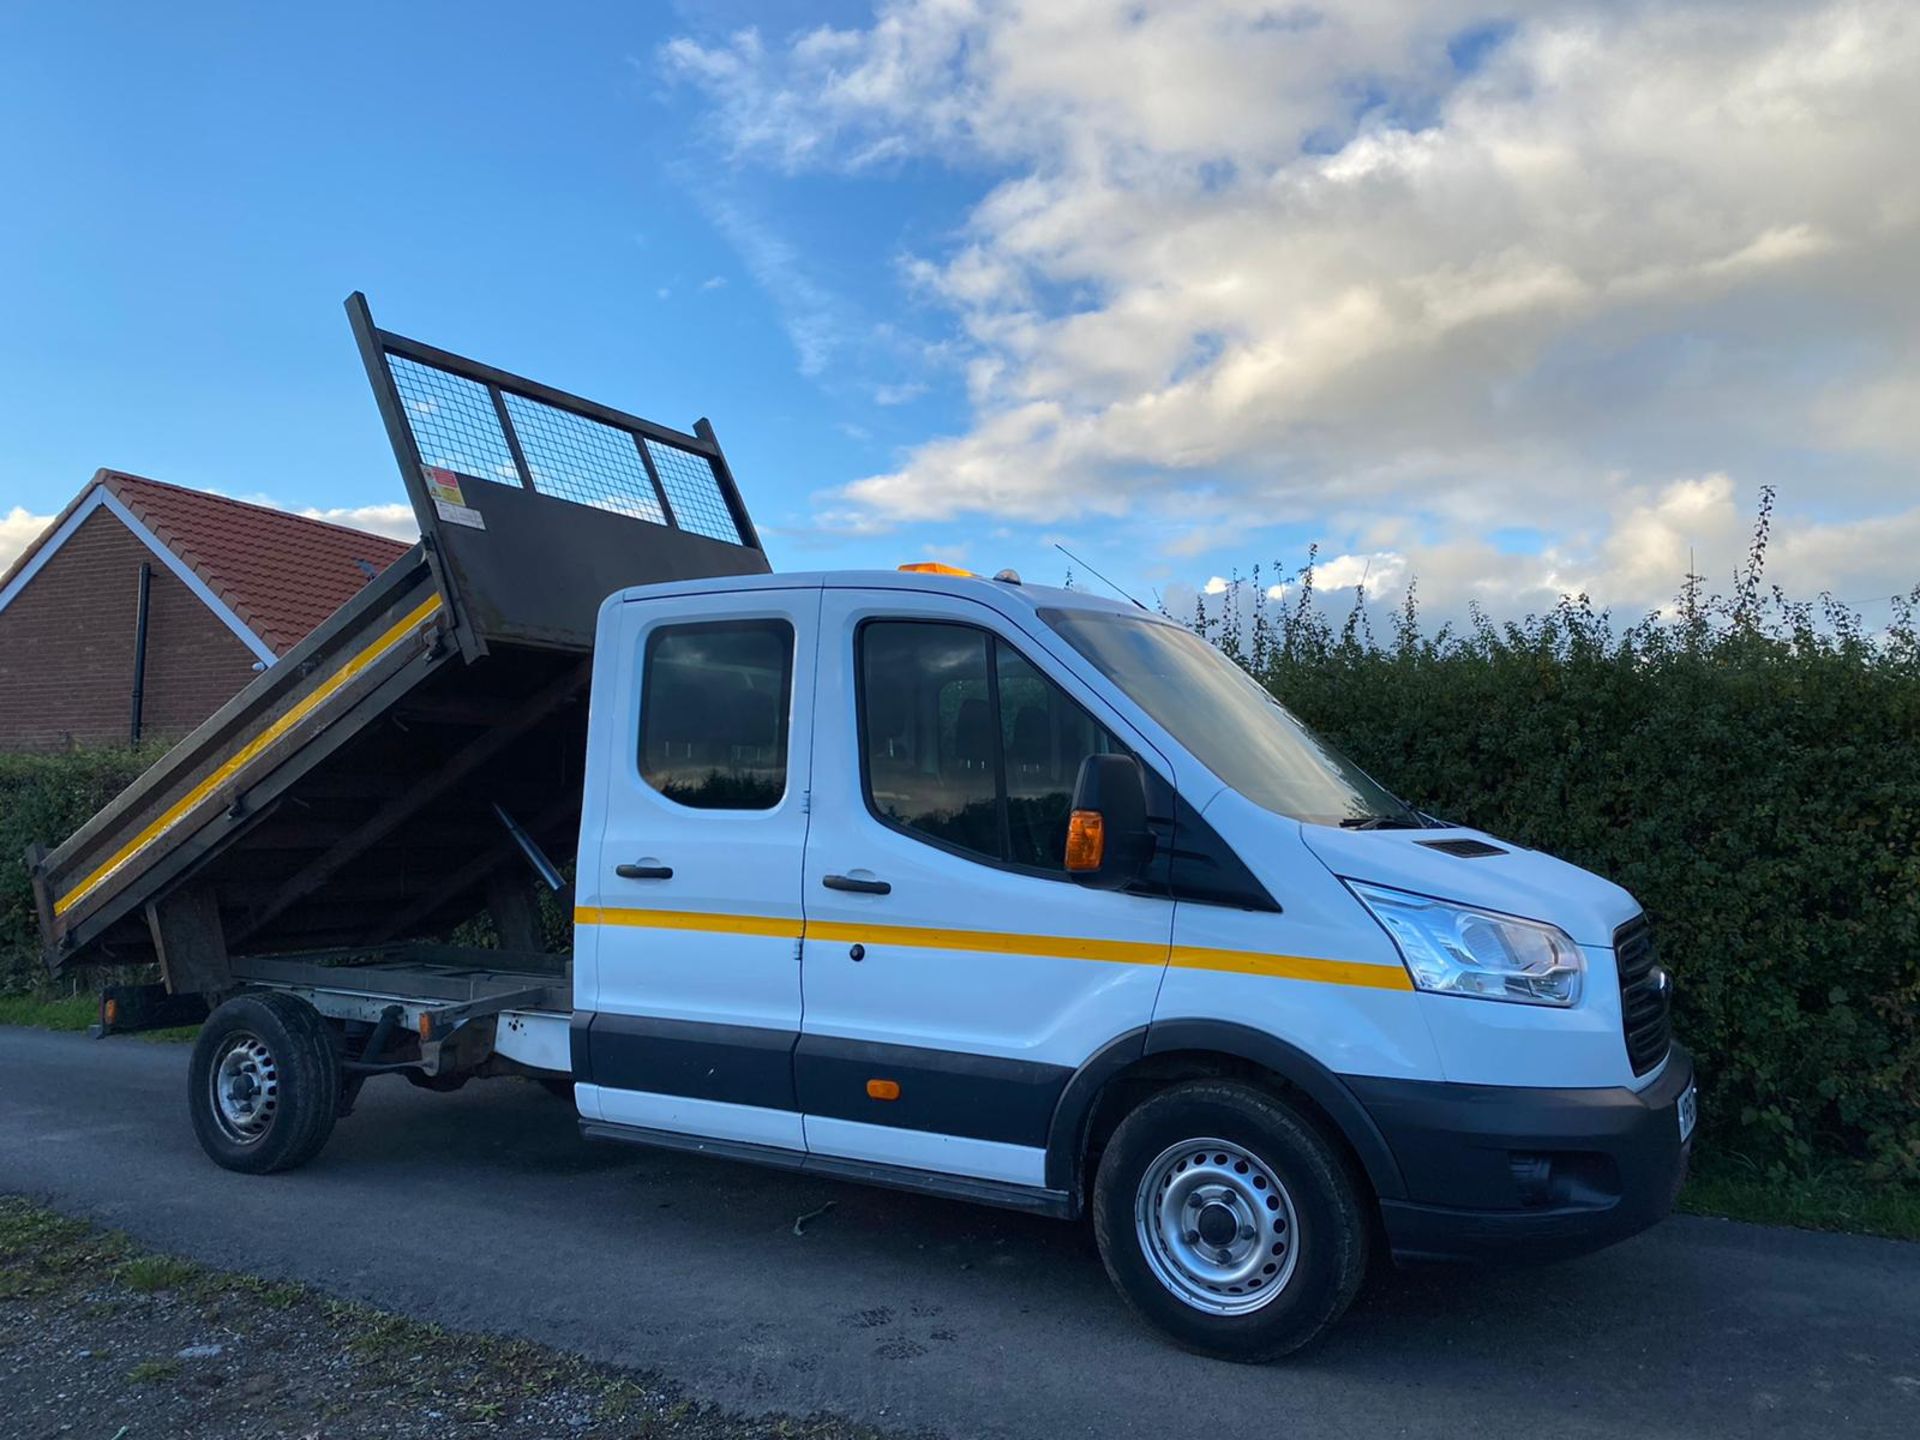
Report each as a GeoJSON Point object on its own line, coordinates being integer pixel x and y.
{"type": "Point", "coordinates": [1508, 1173]}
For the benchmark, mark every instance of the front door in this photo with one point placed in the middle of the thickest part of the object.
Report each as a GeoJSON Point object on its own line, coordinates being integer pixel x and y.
{"type": "Point", "coordinates": [694, 896]}
{"type": "Point", "coordinates": [954, 976]}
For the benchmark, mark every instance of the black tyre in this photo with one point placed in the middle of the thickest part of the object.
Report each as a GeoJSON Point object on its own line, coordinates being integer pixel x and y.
{"type": "Point", "coordinates": [264, 1083]}
{"type": "Point", "coordinates": [1229, 1221]}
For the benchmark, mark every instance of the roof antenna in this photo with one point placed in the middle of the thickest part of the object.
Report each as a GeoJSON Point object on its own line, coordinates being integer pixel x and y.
{"type": "Point", "coordinates": [1097, 575]}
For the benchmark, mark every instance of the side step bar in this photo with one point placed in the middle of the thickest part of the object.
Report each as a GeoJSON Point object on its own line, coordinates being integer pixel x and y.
{"type": "Point", "coordinates": [1056, 1204]}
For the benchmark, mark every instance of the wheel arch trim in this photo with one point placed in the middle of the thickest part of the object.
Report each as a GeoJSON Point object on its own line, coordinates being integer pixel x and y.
{"type": "Point", "coordinates": [1066, 1139]}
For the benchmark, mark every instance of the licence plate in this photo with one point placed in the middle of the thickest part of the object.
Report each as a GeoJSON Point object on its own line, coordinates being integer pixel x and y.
{"type": "Point", "coordinates": [1689, 1111]}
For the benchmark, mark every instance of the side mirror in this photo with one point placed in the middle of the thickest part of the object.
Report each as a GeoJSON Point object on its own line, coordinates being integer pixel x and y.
{"type": "Point", "coordinates": [1108, 840]}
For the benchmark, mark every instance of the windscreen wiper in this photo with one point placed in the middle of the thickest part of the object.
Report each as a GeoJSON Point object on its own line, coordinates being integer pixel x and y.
{"type": "Point", "coordinates": [1380, 822]}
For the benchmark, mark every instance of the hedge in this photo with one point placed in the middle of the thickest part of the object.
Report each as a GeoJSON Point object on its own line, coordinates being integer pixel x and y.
{"type": "Point", "coordinates": [45, 798]}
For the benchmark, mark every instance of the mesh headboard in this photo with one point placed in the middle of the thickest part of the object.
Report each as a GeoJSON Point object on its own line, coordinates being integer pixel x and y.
{"type": "Point", "coordinates": [537, 504]}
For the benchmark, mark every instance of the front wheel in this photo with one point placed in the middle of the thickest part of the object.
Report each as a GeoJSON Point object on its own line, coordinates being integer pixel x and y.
{"type": "Point", "coordinates": [1227, 1220]}
{"type": "Point", "coordinates": [264, 1083]}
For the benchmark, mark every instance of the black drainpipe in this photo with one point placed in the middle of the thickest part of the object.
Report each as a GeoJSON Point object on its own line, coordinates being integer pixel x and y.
{"type": "Point", "coordinates": [140, 647]}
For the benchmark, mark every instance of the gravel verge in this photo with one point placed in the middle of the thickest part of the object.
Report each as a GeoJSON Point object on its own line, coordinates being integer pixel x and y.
{"type": "Point", "coordinates": [99, 1338]}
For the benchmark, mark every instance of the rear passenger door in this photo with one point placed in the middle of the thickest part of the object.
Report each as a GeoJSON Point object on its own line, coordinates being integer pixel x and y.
{"type": "Point", "coordinates": [954, 976]}
{"type": "Point", "coordinates": [694, 897]}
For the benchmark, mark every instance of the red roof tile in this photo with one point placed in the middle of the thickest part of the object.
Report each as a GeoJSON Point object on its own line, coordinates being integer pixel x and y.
{"type": "Point", "coordinates": [283, 574]}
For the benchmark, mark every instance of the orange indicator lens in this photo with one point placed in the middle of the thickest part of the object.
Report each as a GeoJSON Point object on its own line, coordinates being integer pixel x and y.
{"type": "Point", "coordinates": [1086, 840]}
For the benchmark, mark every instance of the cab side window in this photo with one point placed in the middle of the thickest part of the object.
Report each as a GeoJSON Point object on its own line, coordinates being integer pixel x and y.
{"type": "Point", "coordinates": [965, 743]}
{"type": "Point", "coordinates": [714, 706]}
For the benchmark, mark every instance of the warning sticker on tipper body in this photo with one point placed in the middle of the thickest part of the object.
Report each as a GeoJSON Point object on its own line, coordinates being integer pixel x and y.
{"type": "Point", "coordinates": [448, 500]}
{"type": "Point", "coordinates": [460, 515]}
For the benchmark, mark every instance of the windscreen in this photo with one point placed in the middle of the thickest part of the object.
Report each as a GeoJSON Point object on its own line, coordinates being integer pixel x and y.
{"type": "Point", "coordinates": [1236, 729]}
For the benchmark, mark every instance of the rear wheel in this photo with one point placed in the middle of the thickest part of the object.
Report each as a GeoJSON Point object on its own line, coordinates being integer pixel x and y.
{"type": "Point", "coordinates": [263, 1085]}
{"type": "Point", "coordinates": [1227, 1220]}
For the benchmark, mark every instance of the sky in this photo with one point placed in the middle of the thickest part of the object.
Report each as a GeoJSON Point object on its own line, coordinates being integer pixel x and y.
{"type": "Point", "coordinates": [1511, 301]}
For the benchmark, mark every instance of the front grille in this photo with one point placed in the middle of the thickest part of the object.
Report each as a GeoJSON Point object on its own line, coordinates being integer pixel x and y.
{"type": "Point", "coordinates": [1646, 996]}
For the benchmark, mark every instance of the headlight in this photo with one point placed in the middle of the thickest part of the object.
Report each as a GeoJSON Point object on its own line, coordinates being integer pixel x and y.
{"type": "Point", "coordinates": [1457, 950]}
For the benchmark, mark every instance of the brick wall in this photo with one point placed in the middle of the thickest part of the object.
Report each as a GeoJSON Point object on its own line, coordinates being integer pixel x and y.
{"type": "Point", "coordinates": [66, 648]}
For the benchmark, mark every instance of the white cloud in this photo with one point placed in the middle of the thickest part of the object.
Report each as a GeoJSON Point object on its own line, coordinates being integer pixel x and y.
{"type": "Point", "coordinates": [818, 321]}
{"type": "Point", "coordinates": [396, 522]}
{"type": "Point", "coordinates": [1311, 262]}
{"type": "Point", "coordinates": [1382, 573]}
{"type": "Point", "coordinates": [1637, 556]}
{"type": "Point", "coordinates": [19, 528]}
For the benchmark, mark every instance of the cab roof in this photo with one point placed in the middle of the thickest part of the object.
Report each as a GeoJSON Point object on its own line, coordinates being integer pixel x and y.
{"type": "Point", "coordinates": [970, 587]}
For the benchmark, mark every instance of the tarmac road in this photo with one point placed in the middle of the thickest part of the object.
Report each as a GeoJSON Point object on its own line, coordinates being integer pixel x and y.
{"type": "Point", "coordinates": [484, 1210]}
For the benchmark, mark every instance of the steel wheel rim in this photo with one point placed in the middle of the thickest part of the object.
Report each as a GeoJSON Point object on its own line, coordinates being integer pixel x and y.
{"type": "Point", "coordinates": [1217, 1227]}
{"type": "Point", "coordinates": [244, 1088]}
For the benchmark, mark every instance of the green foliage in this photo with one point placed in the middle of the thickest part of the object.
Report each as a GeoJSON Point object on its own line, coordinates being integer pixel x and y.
{"type": "Point", "coordinates": [1746, 765]}
{"type": "Point", "coordinates": [1826, 1195]}
{"type": "Point", "coordinates": [46, 1012]}
{"type": "Point", "coordinates": [45, 798]}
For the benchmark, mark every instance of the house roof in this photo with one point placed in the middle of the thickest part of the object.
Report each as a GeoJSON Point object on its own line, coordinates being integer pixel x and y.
{"type": "Point", "coordinates": [279, 574]}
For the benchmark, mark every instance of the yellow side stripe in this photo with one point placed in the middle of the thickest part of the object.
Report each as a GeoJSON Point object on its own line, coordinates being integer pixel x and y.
{"type": "Point", "coordinates": [247, 753]}
{"type": "Point", "coordinates": [998, 942]}
{"type": "Point", "coordinates": [1293, 967]}
{"type": "Point", "coordinates": [994, 942]}
{"type": "Point", "coordinates": [690, 920]}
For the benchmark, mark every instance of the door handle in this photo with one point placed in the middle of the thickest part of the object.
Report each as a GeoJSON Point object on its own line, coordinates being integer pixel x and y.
{"type": "Point", "coordinates": [644, 872]}
{"type": "Point", "coordinates": [862, 887]}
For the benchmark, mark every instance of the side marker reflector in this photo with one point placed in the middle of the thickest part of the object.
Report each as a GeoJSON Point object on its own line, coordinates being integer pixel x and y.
{"type": "Point", "coordinates": [883, 1089]}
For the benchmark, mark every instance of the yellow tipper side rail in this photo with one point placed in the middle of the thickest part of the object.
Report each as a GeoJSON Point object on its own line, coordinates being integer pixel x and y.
{"type": "Point", "coordinates": [1062, 947]}
{"type": "Point", "coordinates": [251, 751]}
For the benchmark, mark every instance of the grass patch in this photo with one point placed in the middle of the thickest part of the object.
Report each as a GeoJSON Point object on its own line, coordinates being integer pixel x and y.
{"type": "Point", "coordinates": [76, 1012]}
{"type": "Point", "coordinates": [1834, 1197]}
{"type": "Point", "coordinates": [380, 1336]}
{"type": "Point", "coordinates": [26, 1231]}
{"type": "Point", "coordinates": [149, 1371]}
{"type": "Point", "coordinates": [50, 1012]}
{"type": "Point", "coordinates": [148, 1273]}
{"type": "Point", "coordinates": [42, 1253]}
{"type": "Point", "coordinates": [275, 1294]}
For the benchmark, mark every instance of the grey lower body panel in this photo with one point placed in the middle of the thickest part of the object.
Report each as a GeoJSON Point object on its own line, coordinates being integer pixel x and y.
{"type": "Point", "coordinates": [1057, 1204]}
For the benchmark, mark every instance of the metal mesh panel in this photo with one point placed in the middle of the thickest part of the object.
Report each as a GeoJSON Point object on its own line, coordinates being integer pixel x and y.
{"type": "Point", "coordinates": [693, 490]}
{"type": "Point", "coordinates": [453, 421]}
{"type": "Point", "coordinates": [574, 458]}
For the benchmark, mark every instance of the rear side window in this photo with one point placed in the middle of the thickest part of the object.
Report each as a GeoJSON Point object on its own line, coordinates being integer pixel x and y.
{"type": "Point", "coordinates": [966, 744]}
{"type": "Point", "coordinates": [714, 706]}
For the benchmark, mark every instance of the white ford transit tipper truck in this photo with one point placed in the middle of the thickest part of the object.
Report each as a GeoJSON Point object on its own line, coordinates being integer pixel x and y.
{"type": "Point", "coordinates": [917, 878]}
